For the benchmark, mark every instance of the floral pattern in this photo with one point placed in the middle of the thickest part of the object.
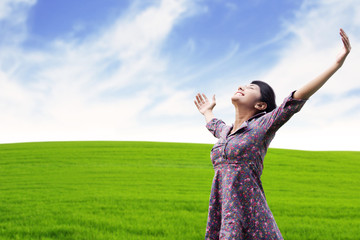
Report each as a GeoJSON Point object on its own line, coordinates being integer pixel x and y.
{"type": "Point", "coordinates": [237, 206]}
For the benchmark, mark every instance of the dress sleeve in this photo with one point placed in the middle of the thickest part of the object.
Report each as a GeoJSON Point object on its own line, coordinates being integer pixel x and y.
{"type": "Point", "coordinates": [216, 126]}
{"type": "Point", "coordinates": [280, 115]}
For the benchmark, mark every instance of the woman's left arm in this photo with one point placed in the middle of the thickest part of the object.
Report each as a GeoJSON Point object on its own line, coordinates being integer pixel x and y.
{"type": "Point", "coordinates": [310, 88]}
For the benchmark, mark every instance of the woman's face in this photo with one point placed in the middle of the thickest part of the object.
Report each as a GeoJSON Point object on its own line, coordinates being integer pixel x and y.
{"type": "Point", "coordinates": [248, 95]}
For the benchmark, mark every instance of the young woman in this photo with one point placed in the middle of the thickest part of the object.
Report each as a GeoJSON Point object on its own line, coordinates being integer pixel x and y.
{"type": "Point", "coordinates": [238, 208]}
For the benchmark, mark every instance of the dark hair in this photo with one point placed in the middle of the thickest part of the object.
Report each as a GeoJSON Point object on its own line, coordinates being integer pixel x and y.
{"type": "Point", "coordinates": [267, 95]}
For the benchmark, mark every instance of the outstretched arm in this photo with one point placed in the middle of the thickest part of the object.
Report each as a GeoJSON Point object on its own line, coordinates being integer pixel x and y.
{"type": "Point", "coordinates": [205, 107]}
{"type": "Point", "coordinates": [310, 88]}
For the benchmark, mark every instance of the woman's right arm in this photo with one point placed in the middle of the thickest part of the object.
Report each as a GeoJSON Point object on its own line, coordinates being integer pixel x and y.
{"type": "Point", "coordinates": [205, 107]}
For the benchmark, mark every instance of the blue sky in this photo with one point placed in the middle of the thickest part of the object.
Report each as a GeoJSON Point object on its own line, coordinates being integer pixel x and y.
{"type": "Point", "coordinates": [129, 70]}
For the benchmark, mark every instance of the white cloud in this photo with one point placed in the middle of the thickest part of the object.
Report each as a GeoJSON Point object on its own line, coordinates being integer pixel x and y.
{"type": "Point", "coordinates": [91, 89]}
{"type": "Point", "coordinates": [13, 15]}
{"type": "Point", "coordinates": [176, 104]}
{"type": "Point", "coordinates": [9, 7]}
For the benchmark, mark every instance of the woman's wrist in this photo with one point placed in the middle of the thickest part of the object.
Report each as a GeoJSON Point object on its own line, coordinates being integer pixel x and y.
{"type": "Point", "coordinates": [207, 112]}
{"type": "Point", "coordinates": [338, 64]}
{"type": "Point", "coordinates": [208, 116]}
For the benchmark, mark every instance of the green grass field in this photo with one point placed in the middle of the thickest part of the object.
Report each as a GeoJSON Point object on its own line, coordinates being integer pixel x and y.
{"type": "Point", "coordinates": [145, 190]}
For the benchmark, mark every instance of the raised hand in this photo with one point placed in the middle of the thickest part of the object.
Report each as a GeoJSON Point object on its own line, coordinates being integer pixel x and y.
{"type": "Point", "coordinates": [346, 48]}
{"type": "Point", "coordinates": [203, 104]}
{"type": "Point", "coordinates": [311, 87]}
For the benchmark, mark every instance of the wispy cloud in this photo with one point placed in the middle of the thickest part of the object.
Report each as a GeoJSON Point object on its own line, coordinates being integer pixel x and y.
{"type": "Point", "coordinates": [13, 15]}
{"type": "Point", "coordinates": [93, 88]}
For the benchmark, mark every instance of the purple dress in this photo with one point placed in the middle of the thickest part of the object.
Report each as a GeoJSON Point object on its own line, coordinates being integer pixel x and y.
{"type": "Point", "coordinates": [238, 207]}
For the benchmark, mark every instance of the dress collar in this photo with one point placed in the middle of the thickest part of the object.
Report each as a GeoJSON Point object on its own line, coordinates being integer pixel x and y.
{"type": "Point", "coordinates": [245, 124]}
{"type": "Point", "coordinates": [256, 115]}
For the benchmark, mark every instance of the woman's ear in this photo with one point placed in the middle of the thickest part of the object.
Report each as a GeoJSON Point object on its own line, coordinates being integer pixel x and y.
{"type": "Point", "coordinates": [261, 106]}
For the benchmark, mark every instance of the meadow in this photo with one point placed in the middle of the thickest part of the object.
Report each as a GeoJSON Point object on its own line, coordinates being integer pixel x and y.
{"type": "Point", "coordinates": [148, 190]}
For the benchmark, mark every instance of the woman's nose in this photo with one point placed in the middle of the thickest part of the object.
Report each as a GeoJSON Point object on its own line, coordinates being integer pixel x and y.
{"type": "Point", "coordinates": [241, 88]}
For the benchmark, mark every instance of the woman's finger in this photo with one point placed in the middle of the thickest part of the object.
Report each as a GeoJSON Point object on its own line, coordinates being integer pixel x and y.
{"type": "Point", "coordinates": [197, 105]}
{"type": "Point", "coordinates": [201, 99]}
{"type": "Point", "coordinates": [346, 43]}
{"type": "Point", "coordinates": [345, 38]}
{"type": "Point", "coordinates": [198, 98]}
{"type": "Point", "coordinates": [206, 100]}
{"type": "Point", "coordinates": [342, 32]}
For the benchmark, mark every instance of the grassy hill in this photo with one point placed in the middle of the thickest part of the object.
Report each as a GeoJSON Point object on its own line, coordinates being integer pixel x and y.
{"type": "Point", "coordinates": [146, 190]}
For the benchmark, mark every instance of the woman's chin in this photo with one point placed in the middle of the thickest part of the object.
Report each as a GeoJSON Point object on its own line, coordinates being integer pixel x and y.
{"type": "Point", "coordinates": [235, 98]}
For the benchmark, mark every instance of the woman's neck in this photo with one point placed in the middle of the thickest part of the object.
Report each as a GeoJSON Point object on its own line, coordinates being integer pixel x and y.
{"type": "Point", "coordinates": [241, 116]}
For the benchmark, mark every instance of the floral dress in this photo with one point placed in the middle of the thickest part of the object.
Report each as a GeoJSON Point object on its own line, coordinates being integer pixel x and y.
{"type": "Point", "coordinates": [238, 207]}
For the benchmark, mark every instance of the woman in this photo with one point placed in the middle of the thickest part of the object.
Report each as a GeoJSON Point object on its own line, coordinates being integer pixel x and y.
{"type": "Point", "coordinates": [237, 207]}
